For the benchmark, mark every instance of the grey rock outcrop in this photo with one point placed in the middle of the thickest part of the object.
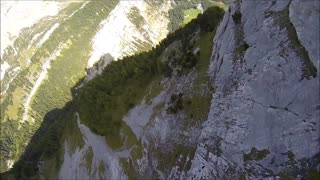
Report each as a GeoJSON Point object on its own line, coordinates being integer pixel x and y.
{"type": "Point", "coordinates": [263, 122]}
{"type": "Point", "coordinates": [264, 115]}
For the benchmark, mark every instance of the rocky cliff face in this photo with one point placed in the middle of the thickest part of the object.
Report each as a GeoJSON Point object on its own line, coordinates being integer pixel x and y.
{"type": "Point", "coordinates": [256, 117]}
{"type": "Point", "coordinates": [264, 114]}
{"type": "Point", "coordinates": [237, 102]}
{"type": "Point", "coordinates": [263, 117]}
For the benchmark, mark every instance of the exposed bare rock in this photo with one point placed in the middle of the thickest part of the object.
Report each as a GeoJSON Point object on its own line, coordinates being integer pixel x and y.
{"type": "Point", "coordinates": [265, 110]}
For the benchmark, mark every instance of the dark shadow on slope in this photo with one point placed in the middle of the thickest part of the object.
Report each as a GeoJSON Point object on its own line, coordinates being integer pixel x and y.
{"type": "Point", "coordinates": [45, 143]}
{"type": "Point", "coordinates": [47, 140]}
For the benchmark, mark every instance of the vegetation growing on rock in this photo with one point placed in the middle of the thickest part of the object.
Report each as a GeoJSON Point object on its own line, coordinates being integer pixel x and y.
{"type": "Point", "coordinates": [255, 154]}
{"type": "Point", "coordinates": [105, 100]}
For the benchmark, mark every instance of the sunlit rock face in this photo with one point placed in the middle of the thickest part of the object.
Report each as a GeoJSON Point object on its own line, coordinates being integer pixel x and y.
{"type": "Point", "coordinates": [264, 114]}
{"type": "Point", "coordinates": [26, 13]}
{"type": "Point", "coordinates": [130, 21]}
{"type": "Point", "coordinates": [132, 26]}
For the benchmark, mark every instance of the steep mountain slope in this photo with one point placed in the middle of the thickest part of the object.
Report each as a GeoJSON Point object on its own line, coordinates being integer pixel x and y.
{"type": "Point", "coordinates": [62, 47]}
{"type": "Point", "coordinates": [264, 115]}
{"type": "Point", "coordinates": [66, 148]}
{"type": "Point", "coordinates": [234, 101]}
{"type": "Point", "coordinates": [263, 118]}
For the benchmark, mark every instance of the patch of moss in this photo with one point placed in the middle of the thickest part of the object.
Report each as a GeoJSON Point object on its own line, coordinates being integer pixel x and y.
{"type": "Point", "coordinates": [126, 138]}
{"type": "Point", "coordinates": [242, 177]}
{"type": "Point", "coordinates": [132, 141]}
{"type": "Point", "coordinates": [241, 45]}
{"type": "Point", "coordinates": [129, 169]}
{"type": "Point", "coordinates": [72, 134]}
{"type": "Point", "coordinates": [155, 89]}
{"type": "Point", "coordinates": [88, 158]}
{"type": "Point", "coordinates": [290, 155]}
{"type": "Point", "coordinates": [51, 166]}
{"type": "Point", "coordinates": [237, 17]}
{"type": "Point", "coordinates": [184, 59]}
{"type": "Point", "coordinates": [196, 109]}
{"type": "Point", "coordinates": [158, 107]}
{"type": "Point", "coordinates": [314, 174]}
{"type": "Point", "coordinates": [256, 154]}
{"type": "Point", "coordinates": [101, 169]}
{"type": "Point", "coordinates": [114, 141]}
{"type": "Point", "coordinates": [241, 48]}
{"type": "Point", "coordinates": [202, 66]}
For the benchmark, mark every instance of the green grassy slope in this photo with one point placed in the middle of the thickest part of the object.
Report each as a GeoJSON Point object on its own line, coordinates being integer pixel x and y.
{"type": "Point", "coordinates": [72, 37]}
{"type": "Point", "coordinates": [183, 11]}
{"type": "Point", "coordinates": [107, 98]}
